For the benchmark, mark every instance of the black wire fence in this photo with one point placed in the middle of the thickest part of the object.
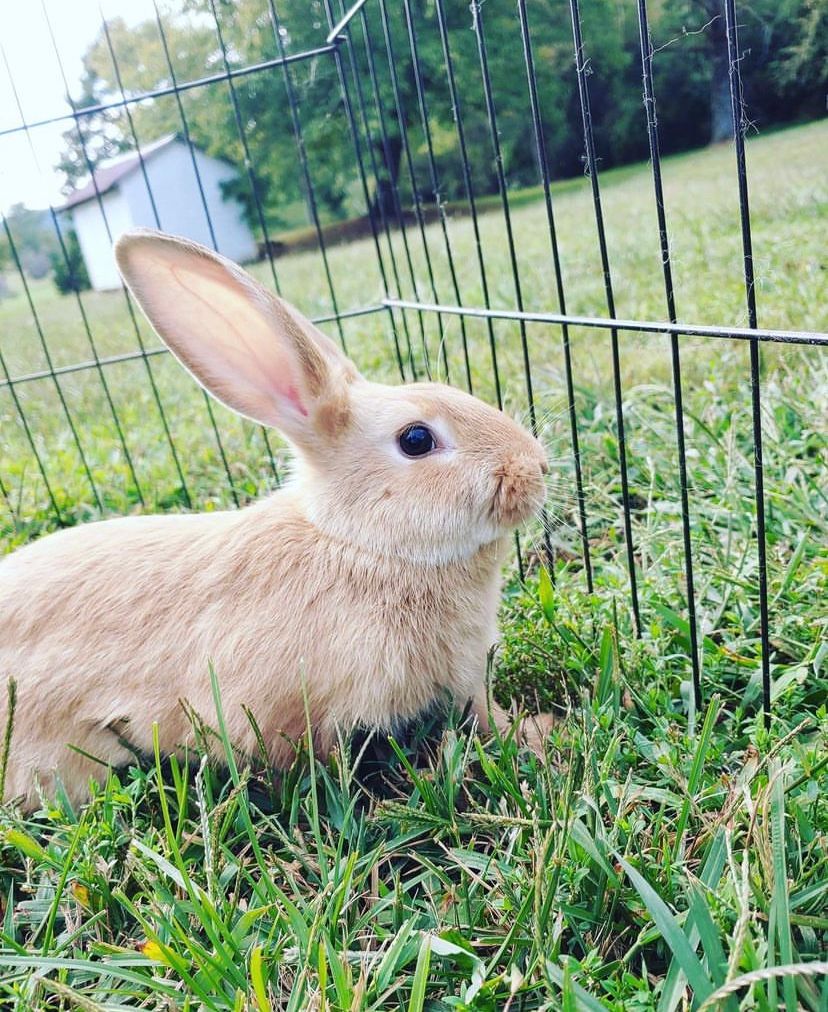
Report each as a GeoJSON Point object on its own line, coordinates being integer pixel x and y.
{"type": "Point", "coordinates": [436, 308]}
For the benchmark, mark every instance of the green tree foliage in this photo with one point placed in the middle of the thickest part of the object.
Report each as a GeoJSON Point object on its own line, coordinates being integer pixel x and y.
{"type": "Point", "coordinates": [98, 137]}
{"type": "Point", "coordinates": [784, 68]}
{"type": "Point", "coordinates": [33, 238]}
{"type": "Point", "coordinates": [69, 268]}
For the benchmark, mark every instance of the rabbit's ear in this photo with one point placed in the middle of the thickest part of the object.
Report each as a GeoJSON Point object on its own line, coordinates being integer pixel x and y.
{"type": "Point", "coordinates": [251, 350]}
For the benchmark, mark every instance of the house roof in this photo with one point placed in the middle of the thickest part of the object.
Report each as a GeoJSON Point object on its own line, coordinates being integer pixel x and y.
{"type": "Point", "coordinates": [109, 173]}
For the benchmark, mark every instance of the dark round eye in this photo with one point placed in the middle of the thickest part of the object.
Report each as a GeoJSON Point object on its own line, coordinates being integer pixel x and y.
{"type": "Point", "coordinates": [416, 441]}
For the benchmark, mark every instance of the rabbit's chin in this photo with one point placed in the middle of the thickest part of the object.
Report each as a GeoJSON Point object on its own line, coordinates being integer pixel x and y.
{"type": "Point", "coordinates": [438, 544]}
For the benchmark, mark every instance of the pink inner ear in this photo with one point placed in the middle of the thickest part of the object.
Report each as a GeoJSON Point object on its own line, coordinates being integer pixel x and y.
{"type": "Point", "coordinates": [237, 346]}
{"type": "Point", "coordinates": [243, 345]}
{"type": "Point", "coordinates": [292, 394]}
{"type": "Point", "coordinates": [276, 372]}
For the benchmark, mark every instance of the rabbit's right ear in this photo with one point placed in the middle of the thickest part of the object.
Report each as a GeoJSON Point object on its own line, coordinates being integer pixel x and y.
{"type": "Point", "coordinates": [250, 349]}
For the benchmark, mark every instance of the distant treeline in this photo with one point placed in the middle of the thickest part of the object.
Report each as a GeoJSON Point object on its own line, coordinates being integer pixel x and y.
{"type": "Point", "coordinates": [784, 69]}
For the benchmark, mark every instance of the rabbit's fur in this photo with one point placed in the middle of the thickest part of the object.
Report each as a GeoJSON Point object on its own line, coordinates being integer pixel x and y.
{"type": "Point", "coordinates": [368, 585]}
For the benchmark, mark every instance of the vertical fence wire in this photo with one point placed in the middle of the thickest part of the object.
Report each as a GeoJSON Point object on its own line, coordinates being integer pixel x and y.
{"type": "Point", "coordinates": [128, 300]}
{"type": "Point", "coordinates": [369, 205]}
{"type": "Point", "coordinates": [157, 219]}
{"type": "Point", "coordinates": [378, 205]}
{"type": "Point", "coordinates": [78, 300]}
{"type": "Point", "coordinates": [4, 495]}
{"type": "Point", "coordinates": [307, 181]}
{"type": "Point", "coordinates": [409, 161]}
{"type": "Point", "coordinates": [494, 136]}
{"type": "Point", "coordinates": [592, 169]}
{"type": "Point", "coordinates": [469, 189]}
{"type": "Point", "coordinates": [435, 188]}
{"type": "Point", "coordinates": [353, 128]}
{"type": "Point", "coordinates": [384, 158]}
{"type": "Point", "coordinates": [389, 161]}
{"type": "Point", "coordinates": [12, 388]}
{"type": "Point", "coordinates": [737, 109]}
{"type": "Point", "coordinates": [50, 364]}
{"type": "Point", "coordinates": [546, 182]}
{"type": "Point", "coordinates": [185, 127]}
{"type": "Point", "coordinates": [646, 47]}
{"type": "Point", "coordinates": [248, 161]}
{"type": "Point", "coordinates": [64, 253]}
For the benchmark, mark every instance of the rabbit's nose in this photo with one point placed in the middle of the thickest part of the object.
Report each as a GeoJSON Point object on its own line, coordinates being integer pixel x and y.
{"type": "Point", "coordinates": [544, 467]}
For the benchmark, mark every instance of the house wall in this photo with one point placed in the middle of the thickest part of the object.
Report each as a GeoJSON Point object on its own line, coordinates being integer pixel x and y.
{"type": "Point", "coordinates": [179, 204]}
{"type": "Point", "coordinates": [94, 240]}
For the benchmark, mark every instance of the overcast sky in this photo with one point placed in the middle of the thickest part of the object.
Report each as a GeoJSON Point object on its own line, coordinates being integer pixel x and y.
{"type": "Point", "coordinates": [29, 59]}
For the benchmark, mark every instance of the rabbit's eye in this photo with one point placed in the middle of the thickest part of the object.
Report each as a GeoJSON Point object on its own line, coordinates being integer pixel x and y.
{"type": "Point", "coordinates": [416, 441]}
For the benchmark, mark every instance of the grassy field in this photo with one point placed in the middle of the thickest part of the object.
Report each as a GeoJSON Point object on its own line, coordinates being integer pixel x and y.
{"type": "Point", "coordinates": [661, 858]}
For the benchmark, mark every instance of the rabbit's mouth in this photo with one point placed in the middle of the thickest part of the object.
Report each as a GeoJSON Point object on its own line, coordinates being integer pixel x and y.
{"type": "Point", "coordinates": [519, 494]}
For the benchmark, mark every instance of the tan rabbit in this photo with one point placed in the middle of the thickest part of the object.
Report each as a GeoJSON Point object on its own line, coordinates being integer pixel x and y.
{"type": "Point", "coordinates": [372, 577]}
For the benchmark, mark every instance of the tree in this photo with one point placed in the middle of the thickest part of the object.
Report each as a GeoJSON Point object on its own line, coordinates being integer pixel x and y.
{"type": "Point", "coordinates": [33, 237]}
{"type": "Point", "coordinates": [69, 270]}
{"type": "Point", "coordinates": [97, 138]}
{"type": "Point", "coordinates": [783, 65]}
{"type": "Point", "coordinates": [801, 67]}
{"type": "Point", "coordinates": [253, 125]}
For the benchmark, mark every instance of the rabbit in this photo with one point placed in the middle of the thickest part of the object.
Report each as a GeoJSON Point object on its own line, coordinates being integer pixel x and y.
{"type": "Point", "coordinates": [361, 590]}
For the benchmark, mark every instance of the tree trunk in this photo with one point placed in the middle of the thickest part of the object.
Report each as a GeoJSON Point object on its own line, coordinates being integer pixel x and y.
{"type": "Point", "coordinates": [721, 120]}
{"type": "Point", "coordinates": [388, 170]}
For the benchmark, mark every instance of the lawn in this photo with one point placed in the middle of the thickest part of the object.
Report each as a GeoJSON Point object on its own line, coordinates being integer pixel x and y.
{"type": "Point", "coordinates": [659, 853]}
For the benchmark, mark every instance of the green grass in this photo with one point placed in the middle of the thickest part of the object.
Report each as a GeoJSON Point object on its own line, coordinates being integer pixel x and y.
{"type": "Point", "coordinates": [657, 845]}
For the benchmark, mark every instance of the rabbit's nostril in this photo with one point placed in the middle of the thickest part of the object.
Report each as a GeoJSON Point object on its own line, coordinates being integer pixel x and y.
{"type": "Point", "coordinates": [544, 467]}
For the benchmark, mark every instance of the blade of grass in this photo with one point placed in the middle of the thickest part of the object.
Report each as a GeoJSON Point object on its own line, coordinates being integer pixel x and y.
{"type": "Point", "coordinates": [780, 913]}
{"type": "Point", "coordinates": [11, 705]}
{"type": "Point", "coordinates": [419, 982]}
{"type": "Point", "coordinates": [671, 932]}
{"type": "Point", "coordinates": [710, 876]}
{"type": "Point", "coordinates": [696, 769]}
{"type": "Point", "coordinates": [584, 1001]}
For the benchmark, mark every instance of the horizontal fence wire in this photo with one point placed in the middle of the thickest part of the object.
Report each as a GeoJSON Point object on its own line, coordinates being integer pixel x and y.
{"type": "Point", "coordinates": [132, 356]}
{"type": "Point", "coordinates": [344, 22]}
{"type": "Point", "coordinates": [173, 89]}
{"type": "Point", "coordinates": [529, 316]}
{"type": "Point", "coordinates": [373, 50]}
{"type": "Point", "coordinates": [805, 337]}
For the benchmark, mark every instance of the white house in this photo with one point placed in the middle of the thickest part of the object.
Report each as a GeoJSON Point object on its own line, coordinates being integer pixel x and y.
{"type": "Point", "coordinates": [125, 196]}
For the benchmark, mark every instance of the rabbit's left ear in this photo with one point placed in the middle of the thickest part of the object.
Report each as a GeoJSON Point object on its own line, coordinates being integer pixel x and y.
{"type": "Point", "coordinates": [250, 349]}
